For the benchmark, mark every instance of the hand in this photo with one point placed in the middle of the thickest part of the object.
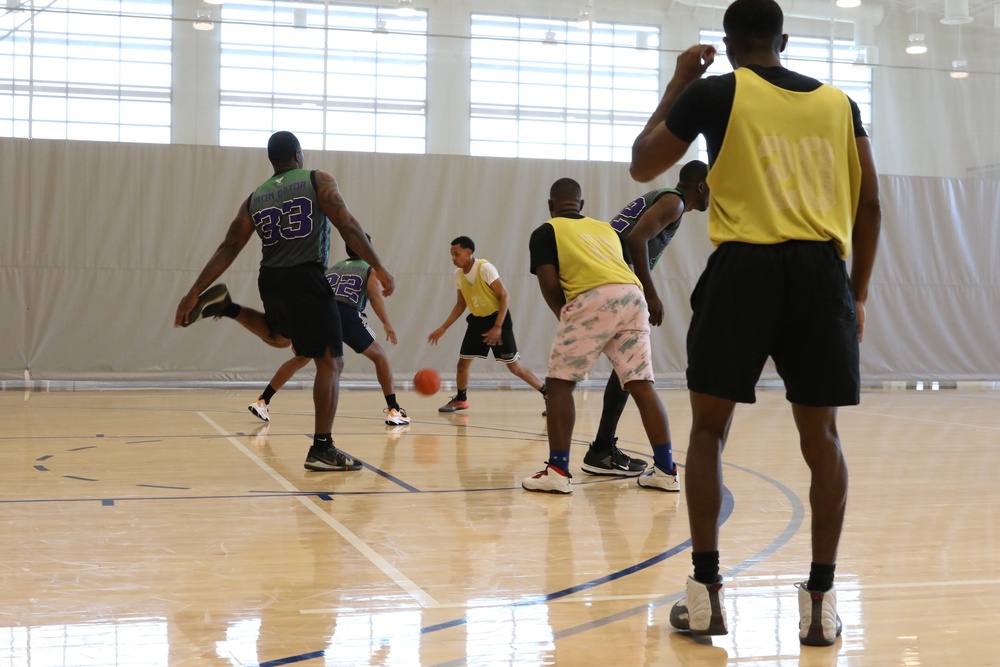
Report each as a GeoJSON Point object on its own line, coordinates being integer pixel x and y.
{"type": "Point", "coordinates": [435, 335]}
{"type": "Point", "coordinates": [860, 308]}
{"type": "Point", "coordinates": [655, 310]}
{"type": "Point", "coordinates": [388, 282]}
{"type": "Point", "coordinates": [694, 62]}
{"type": "Point", "coordinates": [492, 337]}
{"type": "Point", "coordinates": [390, 335]}
{"type": "Point", "coordinates": [184, 309]}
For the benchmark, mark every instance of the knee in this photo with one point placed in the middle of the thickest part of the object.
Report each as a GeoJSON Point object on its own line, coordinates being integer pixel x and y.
{"type": "Point", "coordinates": [558, 388]}
{"type": "Point", "coordinates": [278, 341]}
{"type": "Point", "coordinates": [638, 389]}
{"type": "Point", "coordinates": [334, 364]}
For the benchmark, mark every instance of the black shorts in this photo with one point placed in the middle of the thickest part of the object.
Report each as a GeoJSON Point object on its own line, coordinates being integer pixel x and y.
{"type": "Point", "coordinates": [299, 304]}
{"type": "Point", "coordinates": [473, 346]}
{"type": "Point", "coordinates": [791, 301]}
{"type": "Point", "coordinates": [354, 327]}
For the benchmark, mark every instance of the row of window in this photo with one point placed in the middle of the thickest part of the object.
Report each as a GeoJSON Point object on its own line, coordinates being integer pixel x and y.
{"type": "Point", "coordinates": [350, 77]}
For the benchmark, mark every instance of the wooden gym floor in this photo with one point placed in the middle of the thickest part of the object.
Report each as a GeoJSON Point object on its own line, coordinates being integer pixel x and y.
{"type": "Point", "coordinates": [173, 528]}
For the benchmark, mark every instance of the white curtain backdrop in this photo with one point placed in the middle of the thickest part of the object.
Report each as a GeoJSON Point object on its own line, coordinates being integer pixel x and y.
{"type": "Point", "coordinates": [99, 241]}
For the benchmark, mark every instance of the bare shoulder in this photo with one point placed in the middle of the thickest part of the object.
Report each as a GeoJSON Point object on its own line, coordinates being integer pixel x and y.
{"type": "Point", "coordinates": [325, 179]}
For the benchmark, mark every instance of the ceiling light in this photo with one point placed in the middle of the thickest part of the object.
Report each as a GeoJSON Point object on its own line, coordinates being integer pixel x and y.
{"type": "Point", "coordinates": [203, 20]}
{"type": "Point", "coordinates": [916, 45]}
{"type": "Point", "coordinates": [550, 37]}
{"type": "Point", "coordinates": [959, 68]}
{"type": "Point", "coordinates": [956, 12]}
{"type": "Point", "coordinates": [848, 4]}
{"type": "Point", "coordinates": [405, 8]}
{"type": "Point", "coordinates": [213, 2]}
{"type": "Point", "coordinates": [584, 19]}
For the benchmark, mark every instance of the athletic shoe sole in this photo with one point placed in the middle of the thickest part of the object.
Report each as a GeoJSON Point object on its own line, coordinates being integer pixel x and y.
{"type": "Point", "coordinates": [213, 295]}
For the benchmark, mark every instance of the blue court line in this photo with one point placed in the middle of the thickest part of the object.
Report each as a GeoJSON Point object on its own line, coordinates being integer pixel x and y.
{"type": "Point", "coordinates": [289, 661]}
{"type": "Point", "coordinates": [271, 494]}
{"type": "Point", "coordinates": [392, 478]}
{"type": "Point", "coordinates": [795, 522]}
{"type": "Point", "coordinates": [728, 504]}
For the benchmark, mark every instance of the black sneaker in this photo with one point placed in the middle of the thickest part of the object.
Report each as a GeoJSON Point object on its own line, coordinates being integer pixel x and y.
{"type": "Point", "coordinates": [330, 458]}
{"type": "Point", "coordinates": [615, 463]}
{"type": "Point", "coordinates": [211, 303]}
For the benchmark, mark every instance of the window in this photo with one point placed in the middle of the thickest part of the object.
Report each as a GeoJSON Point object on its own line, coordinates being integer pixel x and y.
{"type": "Point", "coordinates": [832, 61]}
{"type": "Point", "coordinates": [340, 77]}
{"type": "Point", "coordinates": [560, 89]}
{"type": "Point", "coordinates": [86, 69]}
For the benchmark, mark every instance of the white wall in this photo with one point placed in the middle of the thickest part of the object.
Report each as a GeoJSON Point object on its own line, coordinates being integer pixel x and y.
{"type": "Point", "coordinates": [104, 240]}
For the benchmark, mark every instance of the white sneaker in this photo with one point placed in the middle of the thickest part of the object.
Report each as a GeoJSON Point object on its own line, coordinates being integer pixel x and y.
{"type": "Point", "coordinates": [396, 417]}
{"type": "Point", "coordinates": [549, 480]}
{"type": "Point", "coordinates": [259, 409]}
{"type": "Point", "coordinates": [703, 611]}
{"type": "Point", "coordinates": [819, 623]}
{"type": "Point", "coordinates": [659, 480]}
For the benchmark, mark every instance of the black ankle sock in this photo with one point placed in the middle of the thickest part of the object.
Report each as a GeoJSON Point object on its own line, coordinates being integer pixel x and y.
{"type": "Point", "coordinates": [322, 440]}
{"type": "Point", "coordinates": [706, 566]}
{"type": "Point", "coordinates": [390, 402]}
{"type": "Point", "coordinates": [460, 396]}
{"type": "Point", "coordinates": [268, 393]}
{"type": "Point", "coordinates": [232, 310]}
{"type": "Point", "coordinates": [820, 577]}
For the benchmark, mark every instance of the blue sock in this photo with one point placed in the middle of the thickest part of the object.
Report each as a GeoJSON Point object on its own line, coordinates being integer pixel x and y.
{"type": "Point", "coordinates": [560, 459]}
{"type": "Point", "coordinates": [663, 458]}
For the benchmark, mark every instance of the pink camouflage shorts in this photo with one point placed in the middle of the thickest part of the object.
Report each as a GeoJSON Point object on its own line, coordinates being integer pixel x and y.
{"type": "Point", "coordinates": [611, 319]}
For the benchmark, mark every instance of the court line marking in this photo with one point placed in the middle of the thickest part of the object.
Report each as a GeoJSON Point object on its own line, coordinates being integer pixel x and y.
{"type": "Point", "coordinates": [417, 593]}
{"type": "Point", "coordinates": [734, 591]}
{"type": "Point", "coordinates": [647, 606]}
{"type": "Point", "coordinates": [484, 604]}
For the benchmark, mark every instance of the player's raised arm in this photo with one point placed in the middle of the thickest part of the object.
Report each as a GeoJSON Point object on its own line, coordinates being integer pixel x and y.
{"type": "Point", "coordinates": [656, 148]}
{"type": "Point", "coordinates": [239, 232]}
{"type": "Point", "coordinates": [350, 230]}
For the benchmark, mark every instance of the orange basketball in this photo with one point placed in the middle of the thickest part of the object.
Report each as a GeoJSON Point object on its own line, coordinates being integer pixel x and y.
{"type": "Point", "coordinates": [427, 381]}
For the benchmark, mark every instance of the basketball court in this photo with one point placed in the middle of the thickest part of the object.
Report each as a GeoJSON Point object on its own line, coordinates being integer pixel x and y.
{"type": "Point", "coordinates": [149, 527]}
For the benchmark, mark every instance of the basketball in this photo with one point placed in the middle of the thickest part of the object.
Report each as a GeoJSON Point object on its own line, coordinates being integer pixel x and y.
{"type": "Point", "coordinates": [427, 381]}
